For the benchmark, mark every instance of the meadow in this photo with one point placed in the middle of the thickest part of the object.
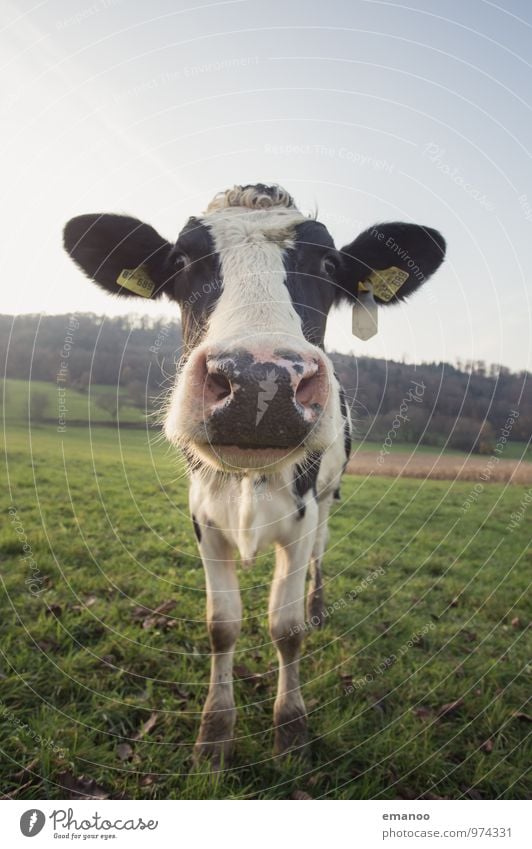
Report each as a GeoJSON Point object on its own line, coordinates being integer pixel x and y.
{"type": "Point", "coordinates": [416, 687]}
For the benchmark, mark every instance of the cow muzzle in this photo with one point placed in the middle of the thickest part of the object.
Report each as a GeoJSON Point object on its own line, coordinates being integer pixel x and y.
{"type": "Point", "coordinates": [253, 409]}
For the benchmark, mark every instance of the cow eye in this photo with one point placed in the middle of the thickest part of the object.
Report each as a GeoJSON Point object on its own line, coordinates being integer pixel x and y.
{"type": "Point", "coordinates": [179, 262]}
{"type": "Point", "coordinates": [329, 266]}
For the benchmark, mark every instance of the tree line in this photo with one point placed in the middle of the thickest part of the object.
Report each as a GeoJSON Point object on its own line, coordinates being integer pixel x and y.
{"type": "Point", "coordinates": [465, 405]}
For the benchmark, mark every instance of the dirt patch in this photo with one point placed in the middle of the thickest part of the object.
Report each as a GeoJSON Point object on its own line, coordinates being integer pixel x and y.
{"type": "Point", "coordinates": [446, 467]}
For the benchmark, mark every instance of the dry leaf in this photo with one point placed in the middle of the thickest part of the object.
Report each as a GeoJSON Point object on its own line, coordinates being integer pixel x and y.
{"type": "Point", "coordinates": [525, 717]}
{"type": "Point", "coordinates": [89, 601]}
{"type": "Point", "coordinates": [245, 674]}
{"type": "Point", "coordinates": [47, 645]}
{"type": "Point", "coordinates": [468, 636]}
{"type": "Point", "coordinates": [487, 746]}
{"type": "Point", "coordinates": [516, 622]}
{"type": "Point", "coordinates": [422, 712]}
{"type": "Point", "coordinates": [80, 788]}
{"type": "Point", "coordinates": [300, 794]}
{"type": "Point", "coordinates": [182, 694]}
{"type": "Point", "coordinates": [22, 772]}
{"type": "Point", "coordinates": [166, 606]}
{"type": "Point", "coordinates": [156, 618]}
{"type": "Point", "coordinates": [124, 751]}
{"type": "Point", "coordinates": [472, 792]}
{"type": "Point", "coordinates": [146, 727]}
{"type": "Point", "coordinates": [318, 777]}
{"type": "Point", "coordinates": [450, 708]}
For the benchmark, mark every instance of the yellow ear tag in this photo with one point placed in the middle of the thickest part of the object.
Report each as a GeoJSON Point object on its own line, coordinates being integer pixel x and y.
{"type": "Point", "coordinates": [386, 282]}
{"type": "Point", "coordinates": [137, 280]}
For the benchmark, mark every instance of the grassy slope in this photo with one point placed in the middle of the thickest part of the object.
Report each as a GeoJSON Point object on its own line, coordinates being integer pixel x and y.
{"type": "Point", "coordinates": [80, 405]}
{"type": "Point", "coordinates": [107, 523]}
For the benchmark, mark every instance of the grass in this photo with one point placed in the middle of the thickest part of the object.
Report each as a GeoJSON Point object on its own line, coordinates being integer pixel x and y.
{"type": "Point", "coordinates": [513, 450]}
{"type": "Point", "coordinates": [414, 687]}
{"type": "Point", "coordinates": [81, 406]}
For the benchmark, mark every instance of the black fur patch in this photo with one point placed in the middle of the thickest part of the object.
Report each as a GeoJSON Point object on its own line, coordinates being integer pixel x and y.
{"type": "Point", "coordinates": [197, 529]}
{"type": "Point", "coordinates": [306, 476]}
{"type": "Point", "coordinates": [198, 286]}
{"type": "Point", "coordinates": [311, 292]}
{"type": "Point", "coordinates": [194, 464]}
{"type": "Point", "coordinates": [347, 429]}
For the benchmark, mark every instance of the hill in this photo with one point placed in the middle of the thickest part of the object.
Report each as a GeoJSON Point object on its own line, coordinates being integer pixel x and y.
{"type": "Point", "coordinates": [467, 406]}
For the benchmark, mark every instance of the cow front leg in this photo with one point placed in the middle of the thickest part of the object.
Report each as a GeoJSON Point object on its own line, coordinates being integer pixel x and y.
{"type": "Point", "coordinates": [287, 625]}
{"type": "Point", "coordinates": [224, 615]}
{"type": "Point", "coordinates": [315, 602]}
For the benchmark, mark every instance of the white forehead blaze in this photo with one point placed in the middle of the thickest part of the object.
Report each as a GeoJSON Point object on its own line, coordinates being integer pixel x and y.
{"type": "Point", "coordinates": [251, 247]}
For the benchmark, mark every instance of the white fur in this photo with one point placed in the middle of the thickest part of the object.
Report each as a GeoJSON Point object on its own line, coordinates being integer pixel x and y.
{"type": "Point", "coordinates": [254, 297]}
{"type": "Point", "coordinates": [254, 310]}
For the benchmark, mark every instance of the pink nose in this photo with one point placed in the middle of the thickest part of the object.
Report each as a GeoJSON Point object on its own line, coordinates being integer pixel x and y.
{"type": "Point", "coordinates": [258, 399]}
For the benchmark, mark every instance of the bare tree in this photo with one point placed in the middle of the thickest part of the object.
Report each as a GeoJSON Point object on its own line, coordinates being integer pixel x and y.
{"type": "Point", "coordinates": [109, 403]}
{"type": "Point", "coordinates": [39, 403]}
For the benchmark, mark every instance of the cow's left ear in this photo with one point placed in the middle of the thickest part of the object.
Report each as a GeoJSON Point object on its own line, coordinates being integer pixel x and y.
{"type": "Point", "coordinates": [122, 254]}
{"type": "Point", "coordinates": [394, 258]}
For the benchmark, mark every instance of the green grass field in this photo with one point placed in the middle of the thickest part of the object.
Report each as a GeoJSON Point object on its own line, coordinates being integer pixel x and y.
{"type": "Point", "coordinates": [416, 686]}
{"type": "Point", "coordinates": [81, 406]}
{"type": "Point", "coordinates": [514, 450]}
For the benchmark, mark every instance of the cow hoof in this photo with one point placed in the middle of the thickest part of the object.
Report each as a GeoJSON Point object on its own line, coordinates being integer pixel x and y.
{"type": "Point", "coordinates": [215, 739]}
{"type": "Point", "coordinates": [213, 757]}
{"type": "Point", "coordinates": [291, 735]}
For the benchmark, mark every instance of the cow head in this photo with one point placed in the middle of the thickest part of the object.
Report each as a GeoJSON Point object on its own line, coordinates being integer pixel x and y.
{"type": "Point", "coordinates": [255, 280]}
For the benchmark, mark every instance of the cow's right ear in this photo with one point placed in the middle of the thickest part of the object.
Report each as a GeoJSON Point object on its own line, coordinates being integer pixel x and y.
{"type": "Point", "coordinates": [122, 254]}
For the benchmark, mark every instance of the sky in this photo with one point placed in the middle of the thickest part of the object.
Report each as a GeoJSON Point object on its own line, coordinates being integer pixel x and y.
{"type": "Point", "coordinates": [366, 110]}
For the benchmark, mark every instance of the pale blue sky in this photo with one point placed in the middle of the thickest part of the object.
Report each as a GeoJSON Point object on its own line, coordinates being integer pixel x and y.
{"type": "Point", "coordinates": [368, 110]}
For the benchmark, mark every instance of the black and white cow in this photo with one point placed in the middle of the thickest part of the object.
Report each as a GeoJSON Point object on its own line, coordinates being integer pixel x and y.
{"type": "Point", "coordinates": [256, 407]}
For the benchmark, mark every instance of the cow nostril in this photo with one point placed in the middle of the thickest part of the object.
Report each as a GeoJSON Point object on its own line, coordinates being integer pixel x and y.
{"type": "Point", "coordinates": [218, 386]}
{"type": "Point", "coordinates": [306, 390]}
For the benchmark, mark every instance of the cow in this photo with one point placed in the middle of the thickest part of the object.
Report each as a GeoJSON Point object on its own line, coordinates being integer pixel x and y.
{"type": "Point", "coordinates": [256, 408]}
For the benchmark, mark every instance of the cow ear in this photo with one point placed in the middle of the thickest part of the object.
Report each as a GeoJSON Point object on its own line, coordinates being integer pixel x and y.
{"type": "Point", "coordinates": [122, 254]}
{"type": "Point", "coordinates": [396, 259]}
